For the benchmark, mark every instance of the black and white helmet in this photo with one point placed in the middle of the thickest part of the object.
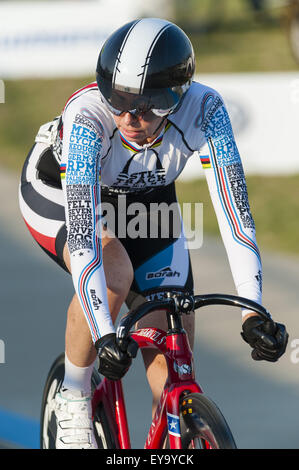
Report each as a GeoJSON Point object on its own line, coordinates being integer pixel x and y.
{"type": "Point", "coordinates": [146, 64]}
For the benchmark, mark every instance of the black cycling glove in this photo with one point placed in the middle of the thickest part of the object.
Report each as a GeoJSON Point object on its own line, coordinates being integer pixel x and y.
{"type": "Point", "coordinates": [267, 338]}
{"type": "Point", "coordinates": [113, 361]}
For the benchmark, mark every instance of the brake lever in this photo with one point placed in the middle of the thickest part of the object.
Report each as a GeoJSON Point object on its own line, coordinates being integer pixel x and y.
{"type": "Point", "coordinates": [132, 348]}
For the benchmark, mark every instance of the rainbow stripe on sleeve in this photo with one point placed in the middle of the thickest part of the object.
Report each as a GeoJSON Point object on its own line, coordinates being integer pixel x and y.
{"type": "Point", "coordinates": [205, 161]}
{"type": "Point", "coordinates": [62, 171]}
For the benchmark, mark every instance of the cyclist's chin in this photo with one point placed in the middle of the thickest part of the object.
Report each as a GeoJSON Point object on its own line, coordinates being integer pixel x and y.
{"type": "Point", "coordinates": [137, 136]}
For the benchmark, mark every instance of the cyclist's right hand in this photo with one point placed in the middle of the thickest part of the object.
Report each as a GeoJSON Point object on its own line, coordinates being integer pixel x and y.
{"type": "Point", "coordinates": [113, 361]}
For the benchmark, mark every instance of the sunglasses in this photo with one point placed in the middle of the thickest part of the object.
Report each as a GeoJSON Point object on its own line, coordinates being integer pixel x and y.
{"type": "Point", "coordinates": [141, 107]}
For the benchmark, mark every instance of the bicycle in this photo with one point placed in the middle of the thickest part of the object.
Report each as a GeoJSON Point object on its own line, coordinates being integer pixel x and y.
{"type": "Point", "coordinates": [185, 418]}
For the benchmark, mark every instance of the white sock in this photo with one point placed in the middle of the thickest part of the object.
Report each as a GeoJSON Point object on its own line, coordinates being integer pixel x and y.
{"type": "Point", "coordinates": [77, 379]}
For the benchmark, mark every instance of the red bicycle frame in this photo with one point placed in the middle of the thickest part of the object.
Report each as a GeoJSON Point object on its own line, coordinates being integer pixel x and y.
{"type": "Point", "coordinates": [181, 379]}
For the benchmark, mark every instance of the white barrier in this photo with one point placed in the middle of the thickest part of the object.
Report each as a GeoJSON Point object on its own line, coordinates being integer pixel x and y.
{"type": "Point", "coordinates": [63, 38]}
{"type": "Point", "coordinates": [264, 110]}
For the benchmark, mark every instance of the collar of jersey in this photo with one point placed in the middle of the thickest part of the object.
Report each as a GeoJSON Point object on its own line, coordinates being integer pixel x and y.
{"type": "Point", "coordinates": [133, 147]}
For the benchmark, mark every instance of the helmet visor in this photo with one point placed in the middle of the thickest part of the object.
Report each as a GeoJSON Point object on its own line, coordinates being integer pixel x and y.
{"type": "Point", "coordinates": [160, 101]}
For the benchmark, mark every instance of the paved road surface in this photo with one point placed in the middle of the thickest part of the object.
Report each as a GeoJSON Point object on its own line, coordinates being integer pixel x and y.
{"type": "Point", "coordinates": [259, 400]}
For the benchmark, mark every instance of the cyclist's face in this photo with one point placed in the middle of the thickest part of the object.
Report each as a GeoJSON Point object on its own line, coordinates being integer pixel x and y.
{"type": "Point", "coordinates": [140, 129]}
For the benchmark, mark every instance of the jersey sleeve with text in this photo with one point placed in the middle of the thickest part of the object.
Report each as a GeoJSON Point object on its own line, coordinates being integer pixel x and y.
{"type": "Point", "coordinates": [83, 145]}
{"type": "Point", "coordinates": [227, 185]}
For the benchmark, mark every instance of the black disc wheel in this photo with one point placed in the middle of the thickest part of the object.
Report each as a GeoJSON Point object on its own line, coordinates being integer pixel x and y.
{"type": "Point", "coordinates": [203, 425]}
{"type": "Point", "coordinates": [48, 425]}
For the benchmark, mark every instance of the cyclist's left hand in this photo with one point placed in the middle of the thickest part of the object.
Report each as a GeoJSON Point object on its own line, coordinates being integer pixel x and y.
{"type": "Point", "coordinates": [267, 338]}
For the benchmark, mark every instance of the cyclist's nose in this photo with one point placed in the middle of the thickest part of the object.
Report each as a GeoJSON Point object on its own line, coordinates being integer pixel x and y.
{"type": "Point", "coordinates": [129, 118]}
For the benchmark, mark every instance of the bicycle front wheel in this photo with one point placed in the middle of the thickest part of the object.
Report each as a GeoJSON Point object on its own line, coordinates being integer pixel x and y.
{"type": "Point", "coordinates": [203, 425]}
{"type": "Point", "coordinates": [48, 425]}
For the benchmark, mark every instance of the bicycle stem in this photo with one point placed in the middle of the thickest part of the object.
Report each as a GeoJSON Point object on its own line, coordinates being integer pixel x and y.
{"type": "Point", "coordinates": [174, 323]}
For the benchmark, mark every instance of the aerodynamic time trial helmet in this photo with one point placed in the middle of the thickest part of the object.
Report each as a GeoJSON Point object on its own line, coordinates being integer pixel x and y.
{"type": "Point", "coordinates": [147, 64]}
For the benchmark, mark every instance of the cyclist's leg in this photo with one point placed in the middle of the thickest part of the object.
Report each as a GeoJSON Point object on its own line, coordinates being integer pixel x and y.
{"type": "Point", "coordinates": [42, 206]}
{"type": "Point", "coordinates": [119, 275]}
{"type": "Point", "coordinates": [42, 203]}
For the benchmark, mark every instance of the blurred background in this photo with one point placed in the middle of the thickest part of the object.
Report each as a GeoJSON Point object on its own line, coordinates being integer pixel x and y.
{"type": "Point", "coordinates": [249, 51]}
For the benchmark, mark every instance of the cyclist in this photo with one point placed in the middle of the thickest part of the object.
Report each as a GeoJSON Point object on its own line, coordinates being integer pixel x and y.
{"type": "Point", "coordinates": [123, 140]}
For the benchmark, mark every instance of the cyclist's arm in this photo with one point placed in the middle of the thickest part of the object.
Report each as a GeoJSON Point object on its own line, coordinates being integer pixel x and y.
{"type": "Point", "coordinates": [226, 181]}
{"type": "Point", "coordinates": [82, 148]}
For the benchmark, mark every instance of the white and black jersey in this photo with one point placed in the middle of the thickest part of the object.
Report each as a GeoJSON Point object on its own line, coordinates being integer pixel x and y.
{"type": "Point", "coordinates": [81, 158]}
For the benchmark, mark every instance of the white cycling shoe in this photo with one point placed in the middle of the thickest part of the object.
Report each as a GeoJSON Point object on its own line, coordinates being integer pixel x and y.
{"type": "Point", "coordinates": [74, 421]}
